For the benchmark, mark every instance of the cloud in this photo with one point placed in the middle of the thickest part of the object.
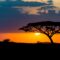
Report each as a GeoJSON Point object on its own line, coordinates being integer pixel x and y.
{"type": "Point", "coordinates": [31, 0]}
{"type": "Point", "coordinates": [55, 2]}
{"type": "Point", "coordinates": [29, 10]}
{"type": "Point", "coordinates": [35, 10]}
{"type": "Point", "coordinates": [34, 0]}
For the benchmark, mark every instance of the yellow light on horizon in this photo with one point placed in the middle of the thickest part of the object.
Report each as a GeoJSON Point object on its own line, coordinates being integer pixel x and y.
{"type": "Point", "coordinates": [30, 37]}
{"type": "Point", "coordinates": [37, 34]}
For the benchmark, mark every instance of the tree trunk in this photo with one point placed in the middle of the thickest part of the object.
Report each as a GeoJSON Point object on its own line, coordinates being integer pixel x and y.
{"type": "Point", "coordinates": [50, 39]}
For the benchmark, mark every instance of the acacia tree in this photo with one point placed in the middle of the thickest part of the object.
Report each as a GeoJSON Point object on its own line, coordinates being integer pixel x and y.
{"type": "Point", "coordinates": [47, 27]}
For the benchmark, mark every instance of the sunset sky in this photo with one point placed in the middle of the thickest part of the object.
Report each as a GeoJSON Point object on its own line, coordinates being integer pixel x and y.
{"type": "Point", "coordinates": [17, 13]}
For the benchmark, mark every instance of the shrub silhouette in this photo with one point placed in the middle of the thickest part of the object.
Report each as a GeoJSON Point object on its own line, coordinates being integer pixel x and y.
{"type": "Point", "coordinates": [6, 40]}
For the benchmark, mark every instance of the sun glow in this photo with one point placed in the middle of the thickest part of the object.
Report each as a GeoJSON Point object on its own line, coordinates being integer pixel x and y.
{"type": "Point", "coordinates": [37, 34]}
{"type": "Point", "coordinates": [25, 37]}
{"type": "Point", "coordinates": [29, 37]}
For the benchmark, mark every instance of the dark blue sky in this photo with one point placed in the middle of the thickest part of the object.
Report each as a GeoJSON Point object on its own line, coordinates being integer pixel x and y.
{"type": "Point", "coordinates": [12, 18]}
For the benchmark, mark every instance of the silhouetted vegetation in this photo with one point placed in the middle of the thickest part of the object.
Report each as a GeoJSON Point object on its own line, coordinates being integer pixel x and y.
{"type": "Point", "coordinates": [6, 40]}
{"type": "Point", "coordinates": [7, 44]}
{"type": "Point", "coordinates": [49, 28]}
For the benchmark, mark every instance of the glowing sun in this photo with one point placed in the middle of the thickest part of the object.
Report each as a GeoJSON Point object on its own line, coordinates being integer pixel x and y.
{"type": "Point", "coordinates": [37, 34]}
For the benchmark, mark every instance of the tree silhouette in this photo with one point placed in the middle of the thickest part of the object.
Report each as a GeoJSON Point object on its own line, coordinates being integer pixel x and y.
{"type": "Point", "coordinates": [47, 27]}
{"type": "Point", "coordinates": [6, 40]}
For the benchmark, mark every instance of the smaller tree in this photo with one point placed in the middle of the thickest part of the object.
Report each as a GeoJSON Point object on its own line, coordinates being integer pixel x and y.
{"type": "Point", "coordinates": [47, 27]}
{"type": "Point", "coordinates": [6, 40]}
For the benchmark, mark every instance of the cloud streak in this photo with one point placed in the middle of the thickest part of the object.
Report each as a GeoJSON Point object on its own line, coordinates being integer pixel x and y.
{"type": "Point", "coordinates": [36, 10]}
{"type": "Point", "coordinates": [55, 2]}
{"type": "Point", "coordinates": [32, 0]}
{"type": "Point", "coordinates": [29, 10]}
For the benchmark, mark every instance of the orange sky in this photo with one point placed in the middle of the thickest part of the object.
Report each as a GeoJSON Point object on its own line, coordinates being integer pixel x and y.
{"type": "Point", "coordinates": [28, 37]}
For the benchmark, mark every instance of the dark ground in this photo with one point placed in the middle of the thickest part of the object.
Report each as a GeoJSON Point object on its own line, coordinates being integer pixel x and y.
{"type": "Point", "coordinates": [28, 46]}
